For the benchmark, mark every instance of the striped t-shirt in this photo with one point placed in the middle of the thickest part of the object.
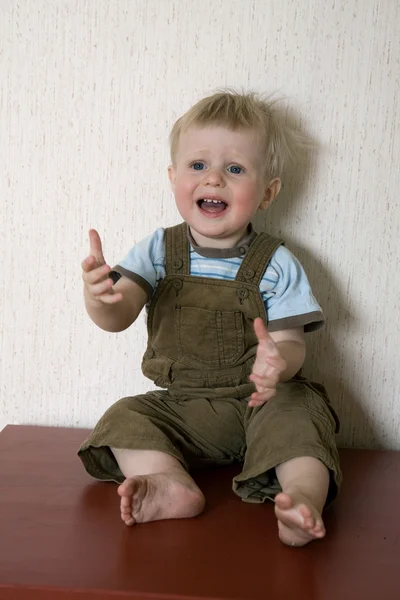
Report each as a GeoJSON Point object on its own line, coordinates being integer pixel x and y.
{"type": "Point", "coordinates": [284, 287]}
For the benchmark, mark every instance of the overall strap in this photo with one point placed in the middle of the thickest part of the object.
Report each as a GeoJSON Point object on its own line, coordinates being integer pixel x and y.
{"type": "Point", "coordinates": [177, 256]}
{"type": "Point", "coordinates": [257, 258]}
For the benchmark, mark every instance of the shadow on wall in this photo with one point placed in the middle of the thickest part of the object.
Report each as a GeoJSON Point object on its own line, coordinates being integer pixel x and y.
{"type": "Point", "coordinates": [326, 360]}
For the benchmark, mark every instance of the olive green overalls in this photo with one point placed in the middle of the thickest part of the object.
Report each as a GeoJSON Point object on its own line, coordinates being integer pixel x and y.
{"type": "Point", "coordinates": [201, 348]}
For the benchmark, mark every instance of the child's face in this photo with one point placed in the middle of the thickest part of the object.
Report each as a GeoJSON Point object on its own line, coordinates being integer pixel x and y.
{"type": "Point", "coordinates": [216, 164]}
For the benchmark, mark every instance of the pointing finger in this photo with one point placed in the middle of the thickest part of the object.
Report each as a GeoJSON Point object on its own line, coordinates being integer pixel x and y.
{"type": "Point", "coordinates": [264, 338]}
{"type": "Point", "coordinates": [96, 249]}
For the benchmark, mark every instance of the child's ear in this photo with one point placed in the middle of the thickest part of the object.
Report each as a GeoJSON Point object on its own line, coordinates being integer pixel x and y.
{"type": "Point", "coordinates": [172, 176]}
{"type": "Point", "coordinates": [271, 192]}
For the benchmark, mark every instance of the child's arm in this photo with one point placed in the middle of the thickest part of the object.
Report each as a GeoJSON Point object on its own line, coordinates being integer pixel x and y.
{"type": "Point", "coordinates": [280, 355]}
{"type": "Point", "coordinates": [111, 307]}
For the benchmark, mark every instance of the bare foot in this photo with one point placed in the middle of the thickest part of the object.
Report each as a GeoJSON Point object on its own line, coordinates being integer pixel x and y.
{"type": "Point", "coordinates": [299, 521]}
{"type": "Point", "coordinates": [171, 495]}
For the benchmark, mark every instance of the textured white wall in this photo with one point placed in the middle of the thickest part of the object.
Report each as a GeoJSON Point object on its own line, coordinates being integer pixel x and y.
{"type": "Point", "coordinates": [89, 91]}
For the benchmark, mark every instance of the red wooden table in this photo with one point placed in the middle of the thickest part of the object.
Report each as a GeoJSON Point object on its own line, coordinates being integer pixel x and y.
{"type": "Point", "coordinates": [61, 535]}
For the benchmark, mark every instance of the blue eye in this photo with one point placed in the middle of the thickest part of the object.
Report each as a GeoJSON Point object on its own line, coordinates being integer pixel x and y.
{"type": "Point", "coordinates": [235, 169]}
{"type": "Point", "coordinates": [198, 166]}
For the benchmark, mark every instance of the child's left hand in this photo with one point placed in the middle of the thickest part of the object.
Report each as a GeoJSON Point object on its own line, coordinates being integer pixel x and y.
{"type": "Point", "coordinates": [267, 367]}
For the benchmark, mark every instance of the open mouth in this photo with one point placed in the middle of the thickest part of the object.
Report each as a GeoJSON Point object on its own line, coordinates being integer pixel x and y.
{"type": "Point", "coordinates": [211, 206]}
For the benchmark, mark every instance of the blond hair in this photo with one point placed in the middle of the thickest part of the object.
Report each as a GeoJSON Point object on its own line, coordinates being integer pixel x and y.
{"type": "Point", "coordinates": [281, 142]}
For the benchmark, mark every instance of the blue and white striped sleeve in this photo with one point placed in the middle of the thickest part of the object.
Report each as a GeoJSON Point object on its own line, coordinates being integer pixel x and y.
{"type": "Point", "coordinates": [289, 300]}
{"type": "Point", "coordinates": [145, 262]}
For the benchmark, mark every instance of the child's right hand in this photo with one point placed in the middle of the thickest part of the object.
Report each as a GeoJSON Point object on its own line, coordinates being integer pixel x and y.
{"type": "Point", "coordinates": [95, 274]}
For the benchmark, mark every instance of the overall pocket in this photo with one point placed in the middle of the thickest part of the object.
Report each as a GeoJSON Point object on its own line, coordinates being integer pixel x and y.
{"type": "Point", "coordinates": [209, 337]}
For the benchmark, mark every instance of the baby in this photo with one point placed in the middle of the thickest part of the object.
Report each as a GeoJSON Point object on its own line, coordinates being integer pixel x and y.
{"type": "Point", "coordinates": [227, 309]}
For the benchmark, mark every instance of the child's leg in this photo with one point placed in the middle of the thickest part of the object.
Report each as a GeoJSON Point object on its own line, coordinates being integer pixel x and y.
{"type": "Point", "coordinates": [292, 458]}
{"type": "Point", "coordinates": [156, 487]}
{"type": "Point", "coordinates": [162, 436]}
{"type": "Point", "coordinates": [305, 484]}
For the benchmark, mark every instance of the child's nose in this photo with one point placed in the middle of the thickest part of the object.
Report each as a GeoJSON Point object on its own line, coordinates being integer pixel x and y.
{"type": "Point", "coordinates": [214, 177]}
